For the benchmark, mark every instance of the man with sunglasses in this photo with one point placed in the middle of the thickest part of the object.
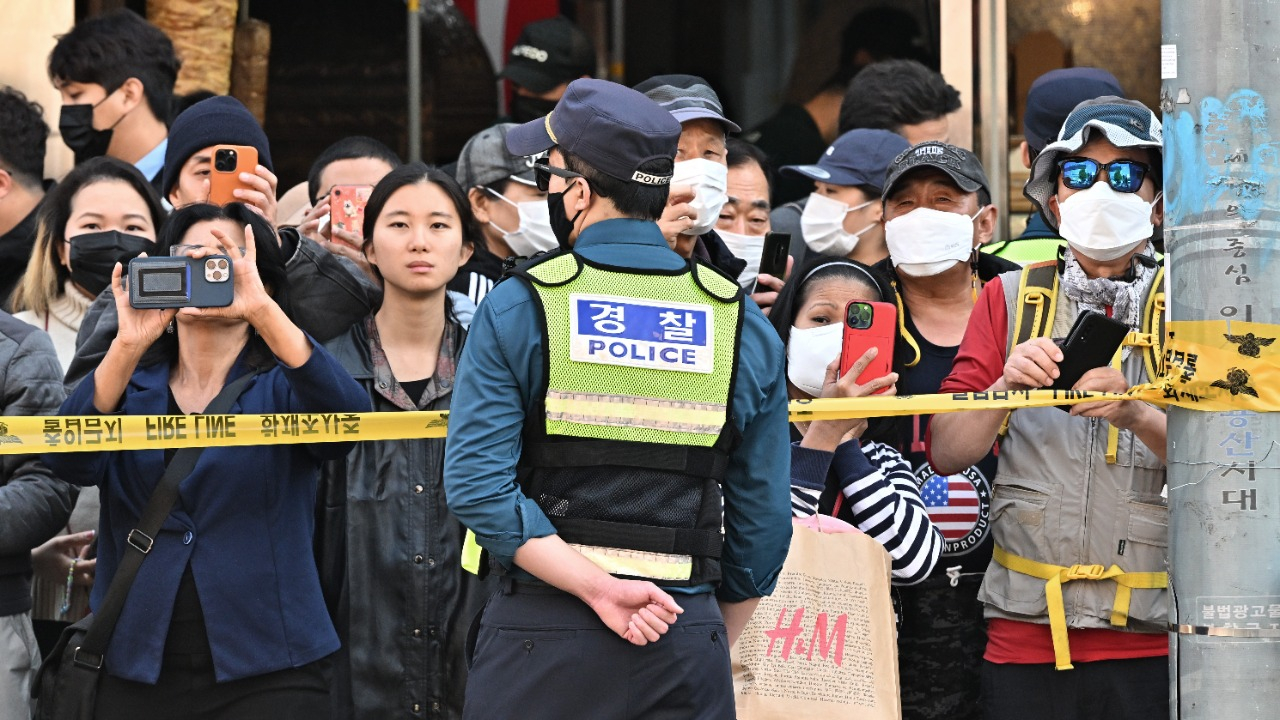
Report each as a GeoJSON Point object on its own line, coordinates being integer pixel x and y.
{"type": "Point", "coordinates": [607, 396]}
{"type": "Point", "coordinates": [1077, 579]}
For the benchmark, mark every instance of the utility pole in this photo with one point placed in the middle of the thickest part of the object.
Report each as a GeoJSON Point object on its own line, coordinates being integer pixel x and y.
{"type": "Point", "coordinates": [1222, 232]}
{"type": "Point", "coordinates": [415, 79]}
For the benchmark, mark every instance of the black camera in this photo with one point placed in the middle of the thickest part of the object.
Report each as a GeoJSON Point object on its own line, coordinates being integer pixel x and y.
{"type": "Point", "coordinates": [178, 282]}
{"type": "Point", "coordinates": [224, 160]}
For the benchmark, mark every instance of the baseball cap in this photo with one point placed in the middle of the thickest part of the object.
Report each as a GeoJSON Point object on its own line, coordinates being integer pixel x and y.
{"type": "Point", "coordinates": [547, 53]}
{"type": "Point", "coordinates": [858, 157]}
{"type": "Point", "coordinates": [1124, 123]}
{"type": "Point", "coordinates": [485, 159]}
{"type": "Point", "coordinates": [610, 126]}
{"type": "Point", "coordinates": [962, 166]}
{"type": "Point", "coordinates": [686, 97]}
{"type": "Point", "coordinates": [1055, 94]}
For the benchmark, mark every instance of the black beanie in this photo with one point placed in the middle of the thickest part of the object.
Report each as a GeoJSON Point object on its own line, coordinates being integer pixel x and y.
{"type": "Point", "coordinates": [216, 121]}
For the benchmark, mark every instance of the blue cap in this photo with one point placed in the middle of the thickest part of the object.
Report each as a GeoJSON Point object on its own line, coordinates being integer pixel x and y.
{"type": "Point", "coordinates": [1055, 94]}
{"type": "Point", "coordinates": [611, 127]}
{"type": "Point", "coordinates": [858, 157]}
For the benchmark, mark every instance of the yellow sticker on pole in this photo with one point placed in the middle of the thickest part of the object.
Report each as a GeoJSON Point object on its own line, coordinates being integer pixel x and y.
{"type": "Point", "coordinates": [1212, 366]}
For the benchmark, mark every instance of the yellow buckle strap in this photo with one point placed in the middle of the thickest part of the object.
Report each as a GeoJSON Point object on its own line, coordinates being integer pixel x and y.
{"type": "Point", "coordinates": [1054, 577]}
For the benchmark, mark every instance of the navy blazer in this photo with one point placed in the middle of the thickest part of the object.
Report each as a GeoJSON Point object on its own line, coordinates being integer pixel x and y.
{"type": "Point", "coordinates": [244, 521]}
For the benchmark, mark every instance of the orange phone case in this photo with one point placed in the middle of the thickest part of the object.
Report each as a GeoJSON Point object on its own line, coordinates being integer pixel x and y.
{"type": "Point", "coordinates": [223, 182]}
{"type": "Point", "coordinates": [346, 208]}
{"type": "Point", "coordinates": [879, 333]}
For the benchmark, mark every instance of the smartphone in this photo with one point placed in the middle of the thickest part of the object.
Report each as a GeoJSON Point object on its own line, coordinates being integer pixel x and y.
{"type": "Point", "coordinates": [773, 261]}
{"type": "Point", "coordinates": [228, 162]}
{"type": "Point", "coordinates": [178, 282]}
{"type": "Point", "coordinates": [1092, 343]}
{"type": "Point", "coordinates": [868, 325]}
{"type": "Point", "coordinates": [346, 209]}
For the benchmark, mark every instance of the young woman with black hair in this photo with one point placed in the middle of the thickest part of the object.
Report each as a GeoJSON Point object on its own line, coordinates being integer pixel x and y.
{"type": "Point", "coordinates": [843, 467]}
{"type": "Point", "coordinates": [225, 617]}
{"type": "Point", "coordinates": [390, 551]}
{"type": "Point", "coordinates": [102, 212]}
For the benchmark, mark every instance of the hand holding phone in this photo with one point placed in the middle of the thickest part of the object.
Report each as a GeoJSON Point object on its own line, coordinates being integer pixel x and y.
{"type": "Point", "coordinates": [868, 325]}
{"type": "Point", "coordinates": [1093, 341]}
{"type": "Point", "coordinates": [346, 212]}
{"type": "Point", "coordinates": [224, 179]}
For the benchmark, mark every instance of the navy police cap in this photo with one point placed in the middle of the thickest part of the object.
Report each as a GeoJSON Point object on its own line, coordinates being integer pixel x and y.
{"type": "Point", "coordinates": [611, 127]}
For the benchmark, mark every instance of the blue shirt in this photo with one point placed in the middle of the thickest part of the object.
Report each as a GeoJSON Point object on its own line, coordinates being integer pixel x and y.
{"type": "Point", "coordinates": [244, 522]}
{"type": "Point", "coordinates": [502, 366]}
{"type": "Point", "coordinates": [153, 162]}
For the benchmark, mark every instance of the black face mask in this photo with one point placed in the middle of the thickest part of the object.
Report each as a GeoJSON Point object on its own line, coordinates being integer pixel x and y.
{"type": "Point", "coordinates": [94, 256]}
{"type": "Point", "coordinates": [561, 224]}
{"type": "Point", "coordinates": [76, 126]}
{"type": "Point", "coordinates": [525, 108]}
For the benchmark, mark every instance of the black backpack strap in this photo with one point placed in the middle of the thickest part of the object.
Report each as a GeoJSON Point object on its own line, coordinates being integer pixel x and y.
{"type": "Point", "coordinates": [141, 538]}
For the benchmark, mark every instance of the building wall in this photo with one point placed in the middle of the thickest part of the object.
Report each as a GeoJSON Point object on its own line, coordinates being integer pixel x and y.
{"type": "Point", "coordinates": [1121, 37]}
{"type": "Point", "coordinates": [27, 35]}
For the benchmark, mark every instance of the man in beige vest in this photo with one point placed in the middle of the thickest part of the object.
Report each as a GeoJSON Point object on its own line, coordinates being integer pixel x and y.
{"type": "Point", "coordinates": [1075, 595]}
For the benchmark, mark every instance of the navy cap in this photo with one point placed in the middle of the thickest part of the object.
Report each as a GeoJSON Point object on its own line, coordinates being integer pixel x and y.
{"type": "Point", "coordinates": [1055, 94]}
{"type": "Point", "coordinates": [687, 97]}
{"type": "Point", "coordinates": [962, 166]}
{"type": "Point", "coordinates": [858, 157]}
{"type": "Point", "coordinates": [613, 128]}
{"type": "Point", "coordinates": [548, 53]}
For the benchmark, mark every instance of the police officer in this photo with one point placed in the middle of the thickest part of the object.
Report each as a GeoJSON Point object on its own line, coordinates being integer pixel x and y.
{"type": "Point", "coordinates": [616, 406]}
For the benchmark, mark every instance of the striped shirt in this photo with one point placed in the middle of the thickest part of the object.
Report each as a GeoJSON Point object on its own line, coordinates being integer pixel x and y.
{"type": "Point", "coordinates": [881, 494]}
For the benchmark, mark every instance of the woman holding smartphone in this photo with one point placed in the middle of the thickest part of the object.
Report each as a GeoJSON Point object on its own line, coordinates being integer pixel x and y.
{"type": "Point", "coordinates": [390, 551]}
{"type": "Point", "coordinates": [225, 617]}
{"type": "Point", "coordinates": [843, 467]}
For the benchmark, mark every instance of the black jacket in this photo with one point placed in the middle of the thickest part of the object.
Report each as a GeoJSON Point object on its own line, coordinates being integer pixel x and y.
{"type": "Point", "coordinates": [34, 504]}
{"type": "Point", "coordinates": [389, 553]}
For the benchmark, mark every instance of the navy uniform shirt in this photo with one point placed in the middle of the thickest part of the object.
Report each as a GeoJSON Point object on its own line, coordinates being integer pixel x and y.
{"type": "Point", "coordinates": [502, 367]}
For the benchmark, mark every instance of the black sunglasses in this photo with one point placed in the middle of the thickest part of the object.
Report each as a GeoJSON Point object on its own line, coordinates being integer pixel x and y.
{"type": "Point", "coordinates": [1126, 176]}
{"type": "Point", "coordinates": [542, 175]}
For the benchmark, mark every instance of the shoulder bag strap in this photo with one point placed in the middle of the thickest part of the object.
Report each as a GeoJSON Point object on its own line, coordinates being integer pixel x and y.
{"type": "Point", "coordinates": [141, 538]}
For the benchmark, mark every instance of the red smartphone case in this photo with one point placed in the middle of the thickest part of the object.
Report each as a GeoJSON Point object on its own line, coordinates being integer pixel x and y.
{"type": "Point", "coordinates": [880, 333]}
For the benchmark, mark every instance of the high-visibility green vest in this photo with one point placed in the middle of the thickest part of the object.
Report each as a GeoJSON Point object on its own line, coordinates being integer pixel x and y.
{"type": "Point", "coordinates": [632, 433]}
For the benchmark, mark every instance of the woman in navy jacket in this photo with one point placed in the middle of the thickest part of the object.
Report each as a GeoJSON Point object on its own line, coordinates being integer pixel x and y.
{"type": "Point", "coordinates": [225, 617]}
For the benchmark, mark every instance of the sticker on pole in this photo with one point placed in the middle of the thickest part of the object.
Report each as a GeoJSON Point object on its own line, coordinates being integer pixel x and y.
{"type": "Point", "coordinates": [661, 335]}
{"type": "Point", "coordinates": [1168, 62]}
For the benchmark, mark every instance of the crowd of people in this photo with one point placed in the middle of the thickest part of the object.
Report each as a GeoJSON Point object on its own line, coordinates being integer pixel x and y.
{"type": "Point", "coordinates": [582, 290]}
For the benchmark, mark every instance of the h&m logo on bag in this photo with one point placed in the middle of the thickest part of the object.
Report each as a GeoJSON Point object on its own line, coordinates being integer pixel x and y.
{"type": "Point", "coordinates": [828, 646]}
{"type": "Point", "coordinates": [662, 335]}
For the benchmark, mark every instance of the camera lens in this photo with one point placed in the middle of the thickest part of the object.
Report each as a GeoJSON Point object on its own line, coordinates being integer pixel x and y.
{"type": "Point", "coordinates": [222, 264]}
{"type": "Point", "coordinates": [217, 274]}
{"type": "Point", "coordinates": [224, 160]}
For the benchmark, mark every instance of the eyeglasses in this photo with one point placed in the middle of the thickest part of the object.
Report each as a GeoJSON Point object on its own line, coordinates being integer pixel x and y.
{"type": "Point", "coordinates": [542, 175]}
{"type": "Point", "coordinates": [1124, 176]}
{"type": "Point", "coordinates": [185, 250]}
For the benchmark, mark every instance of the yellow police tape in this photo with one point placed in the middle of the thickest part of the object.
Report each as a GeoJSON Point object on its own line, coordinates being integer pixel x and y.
{"type": "Point", "coordinates": [1211, 366]}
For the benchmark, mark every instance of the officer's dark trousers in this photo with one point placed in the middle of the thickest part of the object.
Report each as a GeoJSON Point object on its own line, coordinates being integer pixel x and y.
{"type": "Point", "coordinates": [541, 653]}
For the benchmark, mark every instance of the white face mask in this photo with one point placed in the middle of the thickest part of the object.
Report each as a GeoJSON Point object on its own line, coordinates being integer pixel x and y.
{"type": "Point", "coordinates": [822, 224]}
{"type": "Point", "coordinates": [709, 180]}
{"type": "Point", "coordinates": [809, 352]}
{"type": "Point", "coordinates": [534, 232]}
{"type": "Point", "coordinates": [926, 242]}
{"type": "Point", "coordinates": [749, 248]}
{"type": "Point", "coordinates": [1103, 224]}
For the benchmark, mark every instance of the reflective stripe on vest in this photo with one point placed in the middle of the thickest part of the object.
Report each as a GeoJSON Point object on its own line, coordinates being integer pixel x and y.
{"type": "Point", "coordinates": [635, 356]}
{"type": "Point", "coordinates": [1056, 575]}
